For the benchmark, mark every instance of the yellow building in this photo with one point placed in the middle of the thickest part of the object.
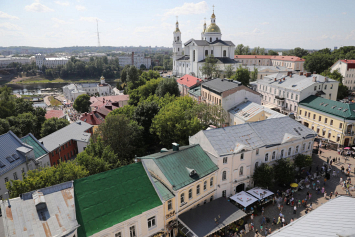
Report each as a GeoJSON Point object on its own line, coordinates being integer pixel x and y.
{"type": "Point", "coordinates": [332, 120]}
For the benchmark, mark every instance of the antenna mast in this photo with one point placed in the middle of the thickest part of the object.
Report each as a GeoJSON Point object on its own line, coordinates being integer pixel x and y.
{"type": "Point", "coordinates": [98, 35]}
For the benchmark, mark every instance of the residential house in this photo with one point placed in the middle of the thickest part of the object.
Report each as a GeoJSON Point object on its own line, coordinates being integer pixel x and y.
{"type": "Point", "coordinates": [122, 202]}
{"type": "Point", "coordinates": [332, 120]}
{"type": "Point", "coordinates": [292, 63]}
{"type": "Point", "coordinates": [186, 83]}
{"type": "Point", "coordinates": [347, 69]}
{"type": "Point", "coordinates": [94, 118]}
{"type": "Point", "coordinates": [41, 154]}
{"type": "Point", "coordinates": [115, 101]}
{"type": "Point", "coordinates": [65, 143]}
{"type": "Point", "coordinates": [55, 114]}
{"type": "Point", "coordinates": [284, 92]}
{"type": "Point", "coordinates": [42, 213]}
{"type": "Point", "coordinates": [238, 149]}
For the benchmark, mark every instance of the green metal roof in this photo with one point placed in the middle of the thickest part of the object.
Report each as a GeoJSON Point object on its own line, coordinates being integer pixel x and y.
{"type": "Point", "coordinates": [164, 192]}
{"type": "Point", "coordinates": [336, 108]}
{"type": "Point", "coordinates": [38, 149]}
{"type": "Point", "coordinates": [106, 199]}
{"type": "Point", "coordinates": [196, 91]}
{"type": "Point", "coordinates": [176, 165]}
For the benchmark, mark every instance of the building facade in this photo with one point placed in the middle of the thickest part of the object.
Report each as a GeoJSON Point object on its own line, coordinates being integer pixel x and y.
{"type": "Point", "coordinates": [186, 83]}
{"type": "Point", "coordinates": [332, 120]}
{"type": "Point", "coordinates": [4, 62]}
{"type": "Point", "coordinates": [135, 60]}
{"type": "Point", "coordinates": [41, 61]}
{"type": "Point", "coordinates": [284, 92]}
{"type": "Point", "coordinates": [347, 69]}
{"type": "Point", "coordinates": [196, 51]}
{"type": "Point", "coordinates": [41, 154]}
{"type": "Point", "coordinates": [237, 150]}
{"type": "Point", "coordinates": [292, 63]}
{"type": "Point", "coordinates": [267, 70]}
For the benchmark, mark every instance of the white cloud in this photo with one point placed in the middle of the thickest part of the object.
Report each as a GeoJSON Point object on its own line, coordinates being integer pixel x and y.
{"type": "Point", "coordinates": [187, 9]}
{"type": "Point", "coordinates": [65, 3]}
{"type": "Point", "coordinates": [59, 21]}
{"type": "Point", "coordinates": [80, 8]}
{"type": "Point", "coordinates": [144, 29]}
{"type": "Point", "coordinates": [344, 13]}
{"type": "Point", "coordinates": [10, 26]}
{"type": "Point", "coordinates": [7, 16]}
{"type": "Point", "coordinates": [351, 36]}
{"type": "Point", "coordinates": [37, 7]}
{"type": "Point", "coordinates": [265, 23]}
{"type": "Point", "coordinates": [90, 19]}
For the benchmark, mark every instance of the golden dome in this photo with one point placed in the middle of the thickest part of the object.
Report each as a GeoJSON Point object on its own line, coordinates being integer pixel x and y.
{"type": "Point", "coordinates": [213, 28]}
{"type": "Point", "coordinates": [177, 30]}
{"type": "Point", "coordinates": [213, 16]}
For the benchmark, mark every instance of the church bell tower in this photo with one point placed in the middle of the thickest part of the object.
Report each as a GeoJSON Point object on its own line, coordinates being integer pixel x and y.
{"type": "Point", "coordinates": [177, 47]}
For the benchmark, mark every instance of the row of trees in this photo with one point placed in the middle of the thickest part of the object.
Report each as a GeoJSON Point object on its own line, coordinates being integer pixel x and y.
{"type": "Point", "coordinates": [245, 50]}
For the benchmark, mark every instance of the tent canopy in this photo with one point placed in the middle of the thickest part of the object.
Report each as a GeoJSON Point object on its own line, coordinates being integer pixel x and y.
{"type": "Point", "coordinates": [260, 193]}
{"type": "Point", "coordinates": [244, 199]}
{"type": "Point", "coordinates": [200, 221]}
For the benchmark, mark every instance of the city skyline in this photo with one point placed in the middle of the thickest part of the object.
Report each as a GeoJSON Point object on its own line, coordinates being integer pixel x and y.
{"type": "Point", "coordinates": [274, 24]}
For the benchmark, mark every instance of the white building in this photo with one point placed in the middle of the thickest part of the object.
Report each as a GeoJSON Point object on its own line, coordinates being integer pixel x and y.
{"type": "Point", "coordinates": [347, 69]}
{"type": "Point", "coordinates": [72, 91]}
{"type": "Point", "coordinates": [195, 51]}
{"type": "Point", "coordinates": [284, 92]}
{"type": "Point", "coordinates": [292, 63]}
{"type": "Point", "coordinates": [4, 62]}
{"type": "Point", "coordinates": [135, 59]}
{"type": "Point", "coordinates": [237, 150]}
{"type": "Point", "coordinates": [267, 70]}
{"type": "Point", "coordinates": [41, 60]}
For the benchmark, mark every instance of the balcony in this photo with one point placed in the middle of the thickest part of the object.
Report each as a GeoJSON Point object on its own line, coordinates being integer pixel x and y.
{"type": "Point", "coordinates": [349, 133]}
{"type": "Point", "coordinates": [279, 97]}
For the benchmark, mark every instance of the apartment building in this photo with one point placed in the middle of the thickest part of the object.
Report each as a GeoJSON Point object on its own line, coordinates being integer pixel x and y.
{"type": "Point", "coordinates": [347, 69]}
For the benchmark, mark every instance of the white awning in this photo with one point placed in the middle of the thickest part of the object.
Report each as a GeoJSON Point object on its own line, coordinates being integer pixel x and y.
{"type": "Point", "coordinates": [260, 193]}
{"type": "Point", "coordinates": [244, 199]}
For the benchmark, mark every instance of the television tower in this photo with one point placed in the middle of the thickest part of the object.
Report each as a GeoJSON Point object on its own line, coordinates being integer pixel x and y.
{"type": "Point", "coordinates": [98, 35]}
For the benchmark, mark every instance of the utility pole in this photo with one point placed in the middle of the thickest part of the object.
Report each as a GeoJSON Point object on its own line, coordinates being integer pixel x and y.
{"type": "Point", "coordinates": [98, 36]}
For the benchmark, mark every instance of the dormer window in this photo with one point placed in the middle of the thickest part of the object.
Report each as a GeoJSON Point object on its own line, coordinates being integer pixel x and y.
{"type": "Point", "coordinates": [192, 172]}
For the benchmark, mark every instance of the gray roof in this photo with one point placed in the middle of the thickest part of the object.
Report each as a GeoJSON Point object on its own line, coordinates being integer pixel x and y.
{"type": "Point", "coordinates": [11, 145]}
{"type": "Point", "coordinates": [57, 219]}
{"type": "Point", "coordinates": [247, 110]}
{"type": "Point", "coordinates": [220, 85]}
{"type": "Point", "coordinates": [257, 134]}
{"type": "Point", "coordinates": [74, 131]}
{"type": "Point", "coordinates": [201, 220]}
{"type": "Point", "coordinates": [274, 68]}
{"type": "Point", "coordinates": [332, 219]}
{"type": "Point", "coordinates": [206, 43]}
{"type": "Point", "coordinates": [185, 57]}
{"type": "Point", "coordinates": [296, 82]}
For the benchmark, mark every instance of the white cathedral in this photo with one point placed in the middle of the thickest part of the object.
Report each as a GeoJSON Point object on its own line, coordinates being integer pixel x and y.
{"type": "Point", "coordinates": [195, 51]}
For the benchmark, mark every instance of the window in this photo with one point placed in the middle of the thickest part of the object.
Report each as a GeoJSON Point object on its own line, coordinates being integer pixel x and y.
{"type": "Point", "coordinates": [15, 176]}
{"type": "Point", "coordinates": [182, 198]}
{"type": "Point", "coordinates": [290, 107]}
{"type": "Point", "coordinates": [314, 116]}
{"type": "Point", "coordinates": [266, 156]}
{"type": "Point", "coordinates": [190, 193]}
{"type": "Point", "coordinates": [320, 118]}
{"type": "Point", "coordinates": [273, 155]}
{"type": "Point", "coordinates": [132, 231]}
{"type": "Point", "coordinates": [211, 198]}
{"type": "Point", "coordinates": [309, 146]}
{"type": "Point", "coordinates": [338, 138]}
{"type": "Point", "coordinates": [6, 179]}
{"type": "Point", "coordinates": [198, 190]}
{"type": "Point", "coordinates": [241, 171]}
{"type": "Point", "coordinates": [23, 170]}
{"type": "Point", "coordinates": [224, 53]}
{"type": "Point", "coordinates": [301, 112]}
{"type": "Point", "coordinates": [289, 151]}
{"type": "Point", "coordinates": [151, 222]}
{"type": "Point", "coordinates": [282, 154]}
{"type": "Point", "coordinates": [211, 182]}
{"type": "Point", "coordinates": [325, 120]}
{"type": "Point", "coordinates": [242, 156]}
{"type": "Point", "coordinates": [210, 39]}
{"type": "Point", "coordinates": [193, 55]}
{"type": "Point", "coordinates": [340, 125]}
{"type": "Point", "coordinates": [170, 205]}
{"type": "Point", "coordinates": [205, 186]}
{"type": "Point", "coordinates": [305, 113]}
{"type": "Point", "coordinates": [296, 150]}
{"type": "Point", "coordinates": [331, 122]}
{"type": "Point", "coordinates": [323, 133]}
{"type": "Point", "coordinates": [325, 87]}
{"type": "Point", "coordinates": [304, 147]}
{"type": "Point", "coordinates": [296, 97]}
{"type": "Point", "coordinates": [206, 52]}
{"type": "Point", "coordinates": [329, 134]}
{"type": "Point", "coordinates": [118, 234]}
{"type": "Point", "coordinates": [287, 94]}
{"type": "Point", "coordinates": [225, 159]}
{"type": "Point", "coordinates": [256, 164]}
{"type": "Point", "coordinates": [291, 96]}
{"type": "Point", "coordinates": [212, 52]}
{"type": "Point", "coordinates": [224, 193]}
{"type": "Point", "coordinates": [224, 175]}
{"type": "Point", "coordinates": [315, 88]}
{"type": "Point", "coordinates": [257, 151]}
{"type": "Point", "coordinates": [309, 115]}
{"type": "Point", "coordinates": [331, 86]}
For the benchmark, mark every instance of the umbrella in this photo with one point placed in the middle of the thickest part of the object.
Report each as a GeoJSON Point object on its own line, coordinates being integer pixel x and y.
{"type": "Point", "coordinates": [347, 148]}
{"type": "Point", "coordinates": [294, 185]}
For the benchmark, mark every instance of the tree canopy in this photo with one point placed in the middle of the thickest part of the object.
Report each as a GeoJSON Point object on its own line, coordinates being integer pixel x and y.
{"type": "Point", "coordinates": [263, 176]}
{"type": "Point", "coordinates": [82, 103]}
{"type": "Point", "coordinates": [209, 67]}
{"type": "Point", "coordinates": [167, 85]}
{"type": "Point", "coordinates": [242, 75]}
{"type": "Point", "coordinates": [302, 160]}
{"type": "Point", "coordinates": [284, 172]}
{"type": "Point", "coordinates": [53, 124]}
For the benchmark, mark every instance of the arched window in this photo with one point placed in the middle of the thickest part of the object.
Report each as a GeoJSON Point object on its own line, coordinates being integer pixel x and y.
{"type": "Point", "coordinates": [178, 38]}
{"type": "Point", "coordinates": [241, 171]}
{"type": "Point", "coordinates": [182, 198]}
{"type": "Point", "coordinates": [224, 175]}
{"type": "Point", "coordinates": [273, 155]}
{"type": "Point", "coordinates": [205, 186]}
{"type": "Point", "coordinates": [217, 38]}
{"type": "Point", "coordinates": [190, 193]}
{"type": "Point", "coordinates": [206, 52]}
{"type": "Point", "coordinates": [296, 150]}
{"type": "Point", "coordinates": [289, 151]}
{"type": "Point", "coordinates": [198, 190]}
{"type": "Point", "coordinates": [304, 147]}
{"type": "Point", "coordinates": [193, 55]}
{"type": "Point", "coordinates": [224, 53]}
{"type": "Point", "coordinates": [266, 156]}
{"type": "Point", "coordinates": [282, 154]}
{"type": "Point", "coordinates": [210, 39]}
{"type": "Point", "coordinates": [256, 164]}
{"type": "Point", "coordinates": [211, 182]}
{"type": "Point", "coordinates": [309, 146]}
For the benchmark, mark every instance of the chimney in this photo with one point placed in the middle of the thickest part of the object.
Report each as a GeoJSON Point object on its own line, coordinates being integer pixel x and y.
{"type": "Point", "coordinates": [39, 200]}
{"type": "Point", "coordinates": [175, 146]}
{"type": "Point", "coordinates": [245, 99]}
{"type": "Point", "coordinates": [275, 79]}
{"type": "Point", "coordinates": [284, 78]}
{"type": "Point", "coordinates": [289, 73]}
{"type": "Point", "coordinates": [86, 113]}
{"type": "Point", "coordinates": [307, 74]}
{"type": "Point", "coordinates": [314, 79]}
{"type": "Point", "coordinates": [301, 73]}
{"type": "Point", "coordinates": [326, 79]}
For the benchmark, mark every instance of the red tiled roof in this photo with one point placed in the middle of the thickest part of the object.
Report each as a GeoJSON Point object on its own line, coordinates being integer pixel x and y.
{"type": "Point", "coordinates": [95, 100]}
{"type": "Point", "coordinates": [283, 58]}
{"type": "Point", "coordinates": [253, 56]}
{"type": "Point", "coordinates": [93, 118]}
{"type": "Point", "coordinates": [54, 113]}
{"type": "Point", "coordinates": [189, 80]}
{"type": "Point", "coordinates": [347, 61]}
{"type": "Point", "coordinates": [288, 58]}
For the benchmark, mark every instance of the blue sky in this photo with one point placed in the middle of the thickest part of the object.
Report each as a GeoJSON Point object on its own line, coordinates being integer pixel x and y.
{"type": "Point", "coordinates": [311, 24]}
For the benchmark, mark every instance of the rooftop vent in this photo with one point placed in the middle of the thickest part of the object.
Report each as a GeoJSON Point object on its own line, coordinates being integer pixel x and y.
{"type": "Point", "coordinates": [333, 106]}
{"type": "Point", "coordinates": [297, 131]}
{"type": "Point", "coordinates": [192, 172]}
{"type": "Point", "coordinates": [325, 105]}
{"type": "Point", "coordinates": [321, 103]}
{"type": "Point", "coordinates": [340, 108]}
{"type": "Point", "coordinates": [163, 150]}
{"type": "Point", "coordinates": [175, 146]}
{"type": "Point", "coordinates": [40, 202]}
{"type": "Point", "coordinates": [294, 85]}
{"type": "Point", "coordinates": [345, 110]}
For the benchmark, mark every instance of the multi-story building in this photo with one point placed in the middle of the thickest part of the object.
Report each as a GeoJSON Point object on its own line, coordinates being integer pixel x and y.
{"type": "Point", "coordinates": [65, 143]}
{"type": "Point", "coordinates": [237, 150]}
{"type": "Point", "coordinates": [267, 70]}
{"type": "Point", "coordinates": [45, 212]}
{"type": "Point", "coordinates": [131, 207]}
{"type": "Point", "coordinates": [186, 83]}
{"type": "Point", "coordinates": [41, 154]}
{"type": "Point", "coordinates": [41, 60]}
{"type": "Point", "coordinates": [4, 62]}
{"type": "Point", "coordinates": [292, 63]}
{"type": "Point", "coordinates": [347, 69]}
{"type": "Point", "coordinates": [332, 120]}
{"type": "Point", "coordinates": [284, 92]}
{"type": "Point", "coordinates": [135, 60]}
{"type": "Point", "coordinates": [196, 51]}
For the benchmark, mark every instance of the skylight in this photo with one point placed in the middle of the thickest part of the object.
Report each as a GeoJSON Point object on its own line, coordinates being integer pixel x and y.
{"type": "Point", "coordinates": [10, 159]}
{"type": "Point", "coordinates": [15, 156]}
{"type": "Point", "coordinates": [1, 165]}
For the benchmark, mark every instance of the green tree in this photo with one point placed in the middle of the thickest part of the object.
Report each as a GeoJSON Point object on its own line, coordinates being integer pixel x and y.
{"type": "Point", "coordinates": [53, 124]}
{"type": "Point", "coordinates": [302, 160]}
{"type": "Point", "coordinates": [49, 176]}
{"type": "Point", "coordinates": [239, 50]}
{"type": "Point", "coordinates": [343, 91]}
{"type": "Point", "coordinates": [4, 126]}
{"type": "Point", "coordinates": [263, 176]}
{"type": "Point", "coordinates": [23, 124]}
{"type": "Point", "coordinates": [299, 52]}
{"type": "Point", "coordinates": [254, 74]}
{"type": "Point", "coordinates": [144, 114]}
{"type": "Point", "coordinates": [210, 114]}
{"type": "Point", "coordinates": [7, 102]}
{"type": "Point", "coordinates": [242, 75]}
{"type": "Point", "coordinates": [167, 85]}
{"type": "Point", "coordinates": [318, 62]}
{"type": "Point", "coordinates": [209, 67]}
{"type": "Point", "coordinates": [228, 71]}
{"type": "Point", "coordinates": [127, 110]}
{"type": "Point", "coordinates": [142, 67]}
{"type": "Point", "coordinates": [284, 172]}
{"type": "Point", "coordinates": [272, 52]}
{"type": "Point", "coordinates": [173, 123]}
{"type": "Point", "coordinates": [82, 103]}
{"type": "Point", "coordinates": [144, 91]}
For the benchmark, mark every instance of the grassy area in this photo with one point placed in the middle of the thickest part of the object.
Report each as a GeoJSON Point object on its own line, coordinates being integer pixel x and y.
{"type": "Point", "coordinates": [54, 101]}
{"type": "Point", "coordinates": [34, 80]}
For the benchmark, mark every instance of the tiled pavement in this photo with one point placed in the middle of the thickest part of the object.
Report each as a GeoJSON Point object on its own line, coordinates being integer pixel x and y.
{"type": "Point", "coordinates": [332, 185]}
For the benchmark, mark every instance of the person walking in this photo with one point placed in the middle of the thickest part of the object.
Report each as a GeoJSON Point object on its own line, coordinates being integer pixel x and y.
{"type": "Point", "coordinates": [278, 220]}
{"type": "Point", "coordinates": [282, 206]}
{"type": "Point", "coordinates": [299, 202]}
{"type": "Point", "coordinates": [294, 209]}
{"type": "Point", "coordinates": [273, 221]}
{"type": "Point", "coordinates": [330, 195]}
{"type": "Point", "coordinates": [322, 190]}
{"type": "Point", "coordinates": [325, 194]}
{"type": "Point", "coordinates": [273, 200]}
{"type": "Point", "coordinates": [252, 218]}
{"type": "Point", "coordinates": [336, 194]}
{"type": "Point", "coordinates": [309, 196]}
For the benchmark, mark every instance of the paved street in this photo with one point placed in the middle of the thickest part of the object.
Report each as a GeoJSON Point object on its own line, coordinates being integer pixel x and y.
{"type": "Point", "coordinates": [332, 185]}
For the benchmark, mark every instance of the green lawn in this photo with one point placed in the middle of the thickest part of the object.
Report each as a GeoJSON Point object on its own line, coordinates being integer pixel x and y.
{"type": "Point", "coordinates": [54, 102]}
